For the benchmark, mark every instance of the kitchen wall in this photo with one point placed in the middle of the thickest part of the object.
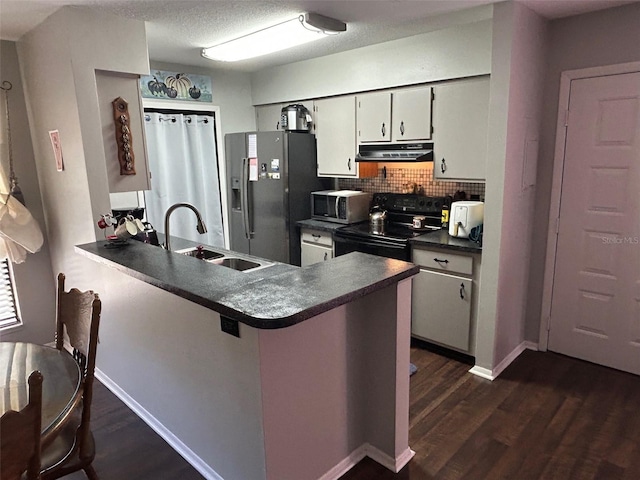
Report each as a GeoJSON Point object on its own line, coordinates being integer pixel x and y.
{"type": "Point", "coordinates": [606, 37]}
{"type": "Point", "coordinates": [455, 52]}
{"type": "Point", "coordinates": [527, 42]}
{"type": "Point", "coordinates": [34, 279]}
{"type": "Point", "coordinates": [58, 60]}
{"type": "Point", "coordinates": [231, 92]}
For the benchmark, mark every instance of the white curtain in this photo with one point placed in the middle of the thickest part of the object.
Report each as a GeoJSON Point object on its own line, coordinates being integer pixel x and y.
{"type": "Point", "coordinates": [184, 168]}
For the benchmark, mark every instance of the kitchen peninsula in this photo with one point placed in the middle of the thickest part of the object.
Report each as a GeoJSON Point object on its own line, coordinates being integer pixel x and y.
{"type": "Point", "coordinates": [317, 379]}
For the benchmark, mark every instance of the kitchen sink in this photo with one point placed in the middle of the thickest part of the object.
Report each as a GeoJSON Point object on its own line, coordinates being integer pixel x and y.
{"type": "Point", "coordinates": [206, 254]}
{"type": "Point", "coordinates": [235, 263]}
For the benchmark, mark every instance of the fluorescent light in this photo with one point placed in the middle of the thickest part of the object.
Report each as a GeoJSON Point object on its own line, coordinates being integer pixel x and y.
{"type": "Point", "coordinates": [297, 31]}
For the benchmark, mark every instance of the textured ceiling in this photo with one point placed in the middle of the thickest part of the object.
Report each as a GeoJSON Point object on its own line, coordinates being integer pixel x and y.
{"type": "Point", "coordinates": [178, 29]}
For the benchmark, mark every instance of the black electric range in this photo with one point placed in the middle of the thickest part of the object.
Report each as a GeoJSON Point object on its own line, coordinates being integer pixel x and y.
{"type": "Point", "coordinates": [392, 240]}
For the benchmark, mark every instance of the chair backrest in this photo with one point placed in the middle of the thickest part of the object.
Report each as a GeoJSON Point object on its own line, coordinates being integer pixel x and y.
{"type": "Point", "coordinates": [21, 433]}
{"type": "Point", "coordinates": [78, 313]}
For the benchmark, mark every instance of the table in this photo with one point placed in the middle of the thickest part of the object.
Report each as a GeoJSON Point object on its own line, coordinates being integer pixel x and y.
{"type": "Point", "coordinates": [61, 391]}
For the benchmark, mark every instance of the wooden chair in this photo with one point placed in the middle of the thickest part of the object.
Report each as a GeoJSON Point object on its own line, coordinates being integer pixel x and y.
{"type": "Point", "coordinates": [20, 438]}
{"type": "Point", "coordinates": [73, 449]}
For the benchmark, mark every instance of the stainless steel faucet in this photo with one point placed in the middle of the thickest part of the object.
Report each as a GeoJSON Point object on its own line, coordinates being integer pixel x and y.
{"type": "Point", "coordinates": [201, 227]}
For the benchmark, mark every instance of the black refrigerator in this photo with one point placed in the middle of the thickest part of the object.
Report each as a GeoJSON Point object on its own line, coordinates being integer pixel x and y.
{"type": "Point", "coordinates": [270, 177]}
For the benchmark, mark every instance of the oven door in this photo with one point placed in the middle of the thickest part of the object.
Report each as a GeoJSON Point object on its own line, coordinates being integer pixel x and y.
{"type": "Point", "coordinates": [345, 243]}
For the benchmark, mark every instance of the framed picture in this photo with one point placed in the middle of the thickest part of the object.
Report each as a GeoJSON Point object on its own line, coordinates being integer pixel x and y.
{"type": "Point", "coordinates": [166, 85]}
{"type": "Point", "coordinates": [54, 136]}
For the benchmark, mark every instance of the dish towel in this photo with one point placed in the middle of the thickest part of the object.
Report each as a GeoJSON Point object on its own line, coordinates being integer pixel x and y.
{"type": "Point", "coordinates": [19, 232]}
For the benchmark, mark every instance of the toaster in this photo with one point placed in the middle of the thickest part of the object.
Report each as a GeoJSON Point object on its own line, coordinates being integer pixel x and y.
{"type": "Point", "coordinates": [464, 216]}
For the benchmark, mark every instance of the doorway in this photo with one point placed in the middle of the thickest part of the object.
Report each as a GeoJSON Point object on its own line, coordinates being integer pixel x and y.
{"type": "Point", "coordinates": [183, 159]}
{"type": "Point", "coordinates": [594, 276]}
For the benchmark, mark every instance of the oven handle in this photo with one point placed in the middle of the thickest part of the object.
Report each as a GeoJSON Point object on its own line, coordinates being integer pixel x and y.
{"type": "Point", "coordinates": [340, 236]}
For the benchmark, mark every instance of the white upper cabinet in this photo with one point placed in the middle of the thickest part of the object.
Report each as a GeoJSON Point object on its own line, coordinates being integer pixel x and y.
{"type": "Point", "coordinates": [374, 117]}
{"type": "Point", "coordinates": [460, 115]}
{"type": "Point", "coordinates": [268, 117]}
{"type": "Point", "coordinates": [411, 115]}
{"type": "Point", "coordinates": [335, 120]}
{"type": "Point", "coordinates": [335, 129]}
{"type": "Point", "coordinates": [402, 115]}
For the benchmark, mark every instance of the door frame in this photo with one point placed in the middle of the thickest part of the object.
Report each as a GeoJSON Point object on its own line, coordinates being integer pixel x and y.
{"type": "Point", "coordinates": [222, 169]}
{"type": "Point", "coordinates": [566, 78]}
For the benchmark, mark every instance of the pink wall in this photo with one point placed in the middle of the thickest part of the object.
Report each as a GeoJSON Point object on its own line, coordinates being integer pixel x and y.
{"type": "Point", "coordinates": [337, 383]}
{"type": "Point", "coordinates": [527, 69]}
{"type": "Point", "coordinates": [606, 37]}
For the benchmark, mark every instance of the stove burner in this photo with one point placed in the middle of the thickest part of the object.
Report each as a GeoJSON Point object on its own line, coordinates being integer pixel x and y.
{"type": "Point", "coordinates": [401, 209]}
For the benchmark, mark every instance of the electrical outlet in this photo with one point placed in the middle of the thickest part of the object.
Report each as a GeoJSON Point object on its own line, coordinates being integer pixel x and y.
{"type": "Point", "coordinates": [232, 327]}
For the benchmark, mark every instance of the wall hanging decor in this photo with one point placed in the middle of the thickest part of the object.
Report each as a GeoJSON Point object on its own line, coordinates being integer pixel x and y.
{"type": "Point", "coordinates": [54, 136]}
{"type": "Point", "coordinates": [123, 136]}
{"type": "Point", "coordinates": [176, 86]}
{"type": "Point", "coordinates": [14, 188]}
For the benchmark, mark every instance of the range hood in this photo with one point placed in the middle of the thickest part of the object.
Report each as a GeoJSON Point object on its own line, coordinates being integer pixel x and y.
{"type": "Point", "coordinates": [396, 152]}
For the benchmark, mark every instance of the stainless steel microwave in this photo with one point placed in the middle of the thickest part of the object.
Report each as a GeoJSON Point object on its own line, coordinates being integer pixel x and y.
{"type": "Point", "coordinates": [342, 206]}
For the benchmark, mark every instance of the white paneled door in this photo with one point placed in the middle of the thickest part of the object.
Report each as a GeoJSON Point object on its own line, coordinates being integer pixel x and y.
{"type": "Point", "coordinates": [595, 308]}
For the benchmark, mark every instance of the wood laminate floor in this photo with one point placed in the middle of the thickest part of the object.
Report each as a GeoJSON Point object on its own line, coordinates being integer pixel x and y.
{"type": "Point", "coordinates": [546, 417]}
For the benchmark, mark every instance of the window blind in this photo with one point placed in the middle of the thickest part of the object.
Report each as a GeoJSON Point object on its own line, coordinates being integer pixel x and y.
{"type": "Point", "coordinates": [8, 310]}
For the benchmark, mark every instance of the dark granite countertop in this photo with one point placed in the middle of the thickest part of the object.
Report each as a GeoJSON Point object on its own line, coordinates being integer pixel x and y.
{"type": "Point", "coordinates": [274, 297]}
{"type": "Point", "coordinates": [442, 239]}
{"type": "Point", "coordinates": [319, 225]}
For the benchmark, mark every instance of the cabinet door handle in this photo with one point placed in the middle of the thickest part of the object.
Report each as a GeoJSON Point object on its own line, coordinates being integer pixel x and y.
{"type": "Point", "coordinates": [402, 128]}
{"type": "Point", "coordinates": [325, 256]}
{"type": "Point", "coordinates": [349, 164]}
{"type": "Point", "coordinates": [462, 291]}
{"type": "Point", "coordinates": [443, 165]}
{"type": "Point", "coordinates": [445, 261]}
{"type": "Point", "coordinates": [383, 130]}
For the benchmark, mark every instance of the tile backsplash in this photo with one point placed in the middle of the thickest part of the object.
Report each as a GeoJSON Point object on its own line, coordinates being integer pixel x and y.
{"type": "Point", "coordinates": [397, 180]}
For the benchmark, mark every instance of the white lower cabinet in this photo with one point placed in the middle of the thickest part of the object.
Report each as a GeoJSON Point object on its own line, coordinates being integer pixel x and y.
{"type": "Point", "coordinates": [316, 246]}
{"type": "Point", "coordinates": [444, 298]}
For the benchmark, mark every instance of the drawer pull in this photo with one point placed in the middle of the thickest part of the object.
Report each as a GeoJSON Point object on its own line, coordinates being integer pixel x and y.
{"type": "Point", "coordinates": [445, 261]}
{"type": "Point", "coordinates": [462, 291]}
{"type": "Point", "coordinates": [316, 236]}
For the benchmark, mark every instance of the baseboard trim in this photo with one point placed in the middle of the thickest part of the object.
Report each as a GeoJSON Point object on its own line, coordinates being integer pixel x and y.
{"type": "Point", "coordinates": [493, 374]}
{"type": "Point", "coordinates": [482, 372]}
{"type": "Point", "coordinates": [368, 450]}
{"type": "Point", "coordinates": [365, 450]}
{"type": "Point", "coordinates": [393, 464]}
{"type": "Point", "coordinates": [183, 450]}
{"type": "Point", "coordinates": [347, 464]}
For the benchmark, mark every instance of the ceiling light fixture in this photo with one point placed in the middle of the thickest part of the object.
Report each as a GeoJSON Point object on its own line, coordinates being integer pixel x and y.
{"type": "Point", "coordinates": [305, 28]}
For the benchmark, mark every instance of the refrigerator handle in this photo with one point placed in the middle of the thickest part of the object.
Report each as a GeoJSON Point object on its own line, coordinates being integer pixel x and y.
{"type": "Point", "coordinates": [245, 198]}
